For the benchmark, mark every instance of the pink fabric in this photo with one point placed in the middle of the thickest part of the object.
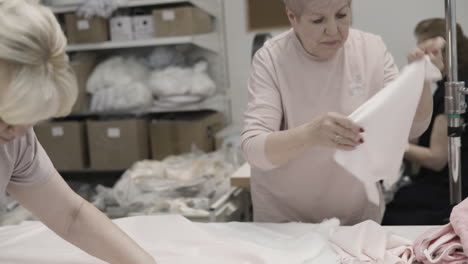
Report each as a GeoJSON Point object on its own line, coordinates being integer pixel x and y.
{"type": "Point", "coordinates": [440, 245]}
{"type": "Point", "coordinates": [459, 221]}
{"type": "Point", "coordinates": [368, 242]}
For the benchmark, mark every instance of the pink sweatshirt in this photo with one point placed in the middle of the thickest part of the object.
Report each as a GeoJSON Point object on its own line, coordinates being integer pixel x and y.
{"type": "Point", "coordinates": [288, 87]}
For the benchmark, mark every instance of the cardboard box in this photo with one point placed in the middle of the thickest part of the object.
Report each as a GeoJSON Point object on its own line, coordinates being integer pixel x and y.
{"type": "Point", "coordinates": [181, 21]}
{"type": "Point", "coordinates": [83, 67]}
{"type": "Point", "coordinates": [143, 27]}
{"type": "Point", "coordinates": [266, 15]}
{"type": "Point", "coordinates": [117, 144]}
{"type": "Point", "coordinates": [82, 30]}
{"type": "Point", "coordinates": [121, 28]}
{"type": "Point", "coordinates": [65, 143]}
{"type": "Point", "coordinates": [176, 136]}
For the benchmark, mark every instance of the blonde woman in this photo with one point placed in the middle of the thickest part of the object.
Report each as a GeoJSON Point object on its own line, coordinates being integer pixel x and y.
{"type": "Point", "coordinates": [36, 84]}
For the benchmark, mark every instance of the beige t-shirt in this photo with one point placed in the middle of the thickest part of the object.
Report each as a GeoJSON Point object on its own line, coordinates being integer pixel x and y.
{"type": "Point", "coordinates": [288, 87]}
{"type": "Point", "coordinates": [23, 162]}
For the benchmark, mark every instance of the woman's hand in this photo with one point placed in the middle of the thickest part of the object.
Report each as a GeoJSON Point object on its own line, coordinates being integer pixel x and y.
{"type": "Point", "coordinates": [334, 130]}
{"type": "Point", "coordinates": [432, 47]}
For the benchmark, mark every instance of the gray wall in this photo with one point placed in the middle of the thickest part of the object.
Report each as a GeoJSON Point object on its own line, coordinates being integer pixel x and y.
{"type": "Point", "coordinates": [394, 20]}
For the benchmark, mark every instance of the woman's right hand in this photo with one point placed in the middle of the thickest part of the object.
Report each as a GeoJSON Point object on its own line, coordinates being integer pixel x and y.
{"type": "Point", "coordinates": [334, 130]}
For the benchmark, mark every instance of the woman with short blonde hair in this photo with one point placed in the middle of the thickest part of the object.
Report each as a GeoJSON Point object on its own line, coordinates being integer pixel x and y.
{"type": "Point", "coordinates": [36, 83]}
{"type": "Point", "coordinates": [303, 86]}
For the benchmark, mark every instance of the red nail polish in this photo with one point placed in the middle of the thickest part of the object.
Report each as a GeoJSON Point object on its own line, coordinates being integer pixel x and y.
{"type": "Point", "coordinates": [361, 140]}
{"type": "Point", "coordinates": [361, 130]}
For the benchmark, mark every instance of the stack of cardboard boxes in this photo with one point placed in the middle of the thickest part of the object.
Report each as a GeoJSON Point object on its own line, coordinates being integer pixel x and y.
{"type": "Point", "coordinates": [107, 145]}
{"type": "Point", "coordinates": [164, 22]}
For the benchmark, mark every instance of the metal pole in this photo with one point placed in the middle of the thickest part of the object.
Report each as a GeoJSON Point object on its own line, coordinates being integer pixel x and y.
{"type": "Point", "coordinates": [454, 104]}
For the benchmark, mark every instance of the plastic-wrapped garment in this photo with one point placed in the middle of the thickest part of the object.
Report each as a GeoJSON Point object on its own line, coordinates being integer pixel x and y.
{"type": "Point", "coordinates": [368, 242]}
{"type": "Point", "coordinates": [202, 84]}
{"type": "Point", "coordinates": [171, 81]}
{"type": "Point", "coordinates": [439, 245]}
{"type": "Point", "coordinates": [459, 221]}
{"type": "Point", "coordinates": [150, 185]}
{"type": "Point", "coordinates": [117, 72]}
{"type": "Point", "coordinates": [174, 81]}
{"type": "Point", "coordinates": [101, 8]}
{"type": "Point", "coordinates": [163, 57]}
{"type": "Point", "coordinates": [133, 96]}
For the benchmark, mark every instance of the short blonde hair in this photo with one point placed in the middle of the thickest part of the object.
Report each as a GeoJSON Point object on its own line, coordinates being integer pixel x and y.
{"type": "Point", "coordinates": [33, 46]}
{"type": "Point", "coordinates": [298, 6]}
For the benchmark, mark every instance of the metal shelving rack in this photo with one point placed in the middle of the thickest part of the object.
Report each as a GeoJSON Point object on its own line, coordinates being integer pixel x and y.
{"type": "Point", "coordinates": [213, 45]}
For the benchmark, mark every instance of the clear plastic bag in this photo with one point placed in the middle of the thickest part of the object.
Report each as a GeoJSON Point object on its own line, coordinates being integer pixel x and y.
{"type": "Point", "coordinates": [178, 183]}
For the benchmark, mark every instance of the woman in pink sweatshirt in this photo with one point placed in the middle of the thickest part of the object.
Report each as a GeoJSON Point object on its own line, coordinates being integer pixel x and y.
{"type": "Point", "coordinates": [303, 85]}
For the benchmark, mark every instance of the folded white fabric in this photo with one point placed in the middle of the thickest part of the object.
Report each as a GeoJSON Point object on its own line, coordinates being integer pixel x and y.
{"type": "Point", "coordinates": [368, 242]}
{"type": "Point", "coordinates": [387, 118]}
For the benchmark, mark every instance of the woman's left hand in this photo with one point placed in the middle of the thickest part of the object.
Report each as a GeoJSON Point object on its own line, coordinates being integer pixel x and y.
{"type": "Point", "coordinates": [432, 47]}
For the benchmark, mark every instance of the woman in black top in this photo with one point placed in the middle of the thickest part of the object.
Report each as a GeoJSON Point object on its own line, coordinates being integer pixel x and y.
{"type": "Point", "coordinates": [426, 201]}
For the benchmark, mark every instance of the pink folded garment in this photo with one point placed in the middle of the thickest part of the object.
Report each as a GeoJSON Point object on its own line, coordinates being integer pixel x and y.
{"type": "Point", "coordinates": [459, 221]}
{"type": "Point", "coordinates": [368, 242]}
{"type": "Point", "coordinates": [440, 245]}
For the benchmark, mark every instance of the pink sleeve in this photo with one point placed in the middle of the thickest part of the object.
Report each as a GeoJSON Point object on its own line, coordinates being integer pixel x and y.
{"type": "Point", "coordinates": [32, 164]}
{"type": "Point", "coordinates": [391, 71]}
{"type": "Point", "coordinates": [264, 110]}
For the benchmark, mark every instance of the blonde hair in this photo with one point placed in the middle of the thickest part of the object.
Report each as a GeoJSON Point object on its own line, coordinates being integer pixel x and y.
{"type": "Point", "coordinates": [298, 6]}
{"type": "Point", "coordinates": [33, 45]}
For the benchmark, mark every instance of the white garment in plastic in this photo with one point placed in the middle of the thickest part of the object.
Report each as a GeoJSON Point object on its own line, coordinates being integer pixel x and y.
{"type": "Point", "coordinates": [116, 72]}
{"type": "Point", "coordinates": [163, 57]}
{"type": "Point", "coordinates": [387, 118]}
{"type": "Point", "coordinates": [101, 8]}
{"type": "Point", "coordinates": [133, 96]}
{"type": "Point", "coordinates": [182, 81]}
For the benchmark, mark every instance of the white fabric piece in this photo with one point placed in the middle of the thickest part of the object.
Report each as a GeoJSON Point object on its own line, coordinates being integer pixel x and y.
{"type": "Point", "coordinates": [175, 80]}
{"type": "Point", "coordinates": [387, 118]}
{"type": "Point", "coordinates": [133, 96]}
{"type": "Point", "coordinates": [101, 8]}
{"type": "Point", "coordinates": [175, 240]}
{"type": "Point", "coordinates": [163, 57]}
{"type": "Point", "coordinates": [117, 72]}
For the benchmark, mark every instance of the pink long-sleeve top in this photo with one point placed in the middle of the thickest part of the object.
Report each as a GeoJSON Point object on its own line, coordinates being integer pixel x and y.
{"type": "Point", "coordinates": [289, 87]}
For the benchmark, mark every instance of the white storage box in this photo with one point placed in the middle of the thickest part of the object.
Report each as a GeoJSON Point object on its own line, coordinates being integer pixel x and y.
{"type": "Point", "coordinates": [121, 28]}
{"type": "Point", "coordinates": [143, 27]}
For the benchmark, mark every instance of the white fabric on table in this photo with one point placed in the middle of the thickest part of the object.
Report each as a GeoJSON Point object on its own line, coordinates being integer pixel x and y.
{"type": "Point", "coordinates": [175, 240]}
